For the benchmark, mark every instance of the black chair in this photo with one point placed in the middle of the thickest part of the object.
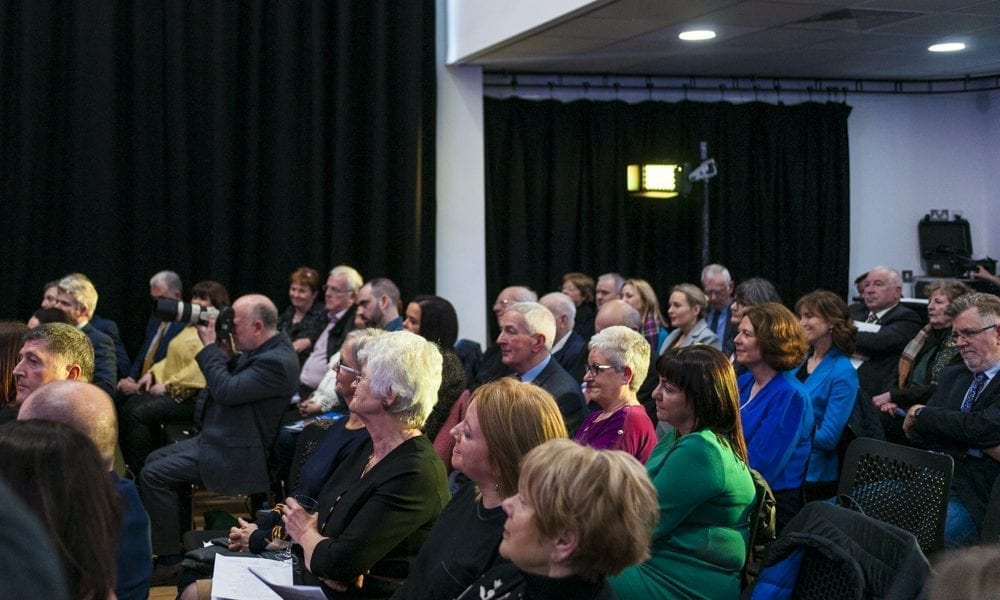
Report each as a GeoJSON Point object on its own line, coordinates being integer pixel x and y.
{"type": "Point", "coordinates": [823, 578]}
{"type": "Point", "coordinates": [903, 486]}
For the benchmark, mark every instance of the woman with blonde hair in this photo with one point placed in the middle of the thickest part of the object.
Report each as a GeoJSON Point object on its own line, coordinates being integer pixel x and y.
{"type": "Point", "coordinates": [640, 296]}
{"type": "Point", "coordinates": [579, 516]}
{"type": "Point", "coordinates": [504, 421]}
{"type": "Point", "coordinates": [686, 312]}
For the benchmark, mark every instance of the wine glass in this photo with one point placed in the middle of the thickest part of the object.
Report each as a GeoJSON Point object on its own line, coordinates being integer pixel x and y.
{"type": "Point", "coordinates": [309, 505]}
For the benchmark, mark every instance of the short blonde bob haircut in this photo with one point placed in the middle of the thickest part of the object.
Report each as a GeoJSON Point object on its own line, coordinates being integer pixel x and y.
{"type": "Point", "coordinates": [576, 488]}
{"type": "Point", "coordinates": [514, 417]}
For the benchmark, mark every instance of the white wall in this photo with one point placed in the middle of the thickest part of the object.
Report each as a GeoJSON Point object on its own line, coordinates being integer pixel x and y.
{"type": "Point", "coordinates": [910, 154]}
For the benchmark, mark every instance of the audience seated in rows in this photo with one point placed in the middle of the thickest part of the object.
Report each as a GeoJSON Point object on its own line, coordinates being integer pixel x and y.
{"type": "Point", "coordinates": [91, 411]}
{"type": "Point", "coordinates": [240, 415]}
{"type": "Point", "coordinates": [505, 420]}
{"type": "Point", "coordinates": [167, 391]}
{"type": "Point", "coordinates": [705, 491]}
{"type": "Point", "coordinates": [557, 535]}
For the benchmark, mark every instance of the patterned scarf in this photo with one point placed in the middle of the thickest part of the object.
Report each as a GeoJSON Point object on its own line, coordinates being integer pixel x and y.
{"type": "Point", "coordinates": [944, 356]}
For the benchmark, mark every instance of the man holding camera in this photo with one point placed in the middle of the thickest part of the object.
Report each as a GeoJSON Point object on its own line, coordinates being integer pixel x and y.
{"type": "Point", "coordinates": [241, 412]}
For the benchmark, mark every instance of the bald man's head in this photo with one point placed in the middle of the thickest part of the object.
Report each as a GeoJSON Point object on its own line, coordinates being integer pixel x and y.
{"type": "Point", "coordinates": [83, 406]}
{"type": "Point", "coordinates": [617, 312]}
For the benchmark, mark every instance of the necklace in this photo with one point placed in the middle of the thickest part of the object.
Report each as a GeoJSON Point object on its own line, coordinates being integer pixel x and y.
{"type": "Point", "coordinates": [369, 464]}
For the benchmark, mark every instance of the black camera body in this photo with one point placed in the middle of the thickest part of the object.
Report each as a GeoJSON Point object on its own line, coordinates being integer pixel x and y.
{"type": "Point", "coordinates": [168, 309]}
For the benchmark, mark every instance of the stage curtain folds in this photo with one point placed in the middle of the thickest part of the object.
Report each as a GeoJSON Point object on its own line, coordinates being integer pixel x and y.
{"type": "Point", "coordinates": [556, 199]}
{"type": "Point", "coordinates": [225, 140]}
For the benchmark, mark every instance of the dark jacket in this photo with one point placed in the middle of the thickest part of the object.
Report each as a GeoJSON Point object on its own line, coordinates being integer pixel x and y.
{"type": "Point", "coordinates": [883, 348]}
{"type": "Point", "coordinates": [566, 390]}
{"type": "Point", "coordinates": [241, 412]}
{"type": "Point", "coordinates": [941, 425]}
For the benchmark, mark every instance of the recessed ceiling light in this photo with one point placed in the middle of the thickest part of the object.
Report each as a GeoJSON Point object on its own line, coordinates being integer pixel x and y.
{"type": "Point", "coordinates": [947, 47]}
{"type": "Point", "coordinates": [697, 35]}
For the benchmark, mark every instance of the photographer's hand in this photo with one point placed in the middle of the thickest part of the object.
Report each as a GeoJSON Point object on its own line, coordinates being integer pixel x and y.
{"type": "Point", "coordinates": [206, 331]}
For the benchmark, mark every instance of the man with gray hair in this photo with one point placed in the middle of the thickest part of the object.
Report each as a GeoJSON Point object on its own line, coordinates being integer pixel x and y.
{"type": "Point", "coordinates": [77, 297]}
{"type": "Point", "coordinates": [526, 333]}
{"type": "Point", "coordinates": [339, 296]}
{"type": "Point", "coordinates": [164, 284]}
{"type": "Point", "coordinates": [885, 327]}
{"type": "Point", "coordinates": [490, 367]}
{"type": "Point", "coordinates": [962, 418]}
{"type": "Point", "coordinates": [609, 287]}
{"type": "Point", "coordinates": [242, 409]}
{"type": "Point", "coordinates": [569, 348]}
{"type": "Point", "coordinates": [718, 286]}
{"type": "Point", "coordinates": [52, 352]}
{"type": "Point", "coordinates": [89, 409]}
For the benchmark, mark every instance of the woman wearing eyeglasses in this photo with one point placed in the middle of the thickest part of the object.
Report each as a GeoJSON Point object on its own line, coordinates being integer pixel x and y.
{"type": "Point", "coordinates": [931, 350]}
{"type": "Point", "coordinates": [616, 367]}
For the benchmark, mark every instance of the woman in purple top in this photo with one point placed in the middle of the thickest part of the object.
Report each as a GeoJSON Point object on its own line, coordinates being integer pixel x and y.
{"type": "Point", "coordinates": [616, 367]}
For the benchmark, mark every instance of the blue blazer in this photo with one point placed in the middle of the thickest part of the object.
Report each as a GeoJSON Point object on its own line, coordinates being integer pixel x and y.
{"type": "Point", "coordinates": [573, 355]}
{"type": "Point", "coordinates": [832, 387]}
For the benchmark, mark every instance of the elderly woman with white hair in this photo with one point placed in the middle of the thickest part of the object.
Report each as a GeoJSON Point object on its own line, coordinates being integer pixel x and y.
{"type": "Point", "coordinates": [380, 503]}
{"type": "Point", "coordinates": [616, 367]}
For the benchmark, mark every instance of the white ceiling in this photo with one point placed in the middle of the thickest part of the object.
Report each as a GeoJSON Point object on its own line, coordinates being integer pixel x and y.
{"type": "Point", "coordinates": [872, 39]}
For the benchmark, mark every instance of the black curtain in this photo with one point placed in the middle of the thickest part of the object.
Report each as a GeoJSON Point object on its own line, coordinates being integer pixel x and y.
{"type": "Point", "coordinates": [225, 140]}
{"type": "Point", "coordinates": [556, 199]}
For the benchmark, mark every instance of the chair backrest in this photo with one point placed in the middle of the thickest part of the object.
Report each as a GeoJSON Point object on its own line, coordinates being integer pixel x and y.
{"type": "Point", "coordinates": [824, 578]}
{"type": "Point", "coordinates": [903, 486]}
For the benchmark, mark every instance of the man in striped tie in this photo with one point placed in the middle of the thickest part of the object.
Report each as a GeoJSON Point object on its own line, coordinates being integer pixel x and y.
{"type": "Point", "coordinates": [962, 418]}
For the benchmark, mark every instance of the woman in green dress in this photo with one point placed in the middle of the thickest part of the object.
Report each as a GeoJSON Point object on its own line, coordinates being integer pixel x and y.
{"type": "Point", "coordinates": [704, 486]}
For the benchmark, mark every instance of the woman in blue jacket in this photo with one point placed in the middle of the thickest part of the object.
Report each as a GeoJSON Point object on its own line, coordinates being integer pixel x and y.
{"type": "Point", "coordinates": [832, 383]}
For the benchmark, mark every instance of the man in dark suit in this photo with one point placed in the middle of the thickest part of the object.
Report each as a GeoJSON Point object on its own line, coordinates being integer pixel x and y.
{"type": "Point", "coordinates": [526, 333]}
{"type": "Point", "coordinates": [569, 348]}
{"type": "Point", "coordinates": [963, 416]}
{"type": "Point", "coordinates": [340, 294]}
{"type": "Point", "coordinates": [241, 407]}
{"type": "Point", "coordinates": [896, 326]}
{"type": "Point", "coordinates": [718, 286]}
{"type": "Point", "coordinates": [165, 284]}
{"type": "Point", "coordinates": [77, 297]}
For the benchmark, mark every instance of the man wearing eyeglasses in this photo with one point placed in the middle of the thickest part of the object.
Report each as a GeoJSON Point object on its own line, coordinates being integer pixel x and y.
{"type": "Point", "coordinates": [339, 295]}
{"type": "Point", "coordinates": [885, 327]}
{"type": "Point", "coordinates": [718, 286]}
{"type": "Point", "coordinates": [962, 418]}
